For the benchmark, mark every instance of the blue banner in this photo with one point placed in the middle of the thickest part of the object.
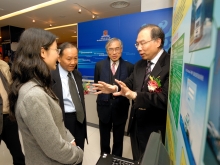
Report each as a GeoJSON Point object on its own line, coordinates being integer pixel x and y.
{"type": "Point", "coordinates": [93, 35]}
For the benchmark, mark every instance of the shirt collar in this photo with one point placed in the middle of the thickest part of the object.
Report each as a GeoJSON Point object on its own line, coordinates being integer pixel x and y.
{"type": "Point", "coordinates": [63, 72]}
{"type": "Point", "coordinates": [156, 58]}
{"type": "Point", "coordinates": [116, 63]}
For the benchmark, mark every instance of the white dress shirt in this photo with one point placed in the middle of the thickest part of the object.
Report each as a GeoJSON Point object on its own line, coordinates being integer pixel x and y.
{"type": "Point", "coordinates": [68, 103]}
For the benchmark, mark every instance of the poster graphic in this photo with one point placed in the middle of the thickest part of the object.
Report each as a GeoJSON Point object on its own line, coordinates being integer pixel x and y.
{"type": "Point", "coordinates": [201, 23]}
{"type": "Point", "coordinates": [212, 147]}
{"type": "Point", "coordinates": [176, 77]}
{"type": "Point", "coordinates": [193, 109]}
{"type": "Point", "coordinates": [171, 139]}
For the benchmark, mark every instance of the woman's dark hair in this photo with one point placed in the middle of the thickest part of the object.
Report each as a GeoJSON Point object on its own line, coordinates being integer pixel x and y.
{"type": "Point", "coordinates": [28, 63]}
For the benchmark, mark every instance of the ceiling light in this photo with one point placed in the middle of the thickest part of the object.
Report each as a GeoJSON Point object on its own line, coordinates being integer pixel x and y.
{"type": "Point", "coordinates": [56, 27]}
{"type": "Point", "coordinates": [33, 20]}
{"type": "Point", "coordinates": [52, 2]}
{"type": "Point", "coordinates": [82, 7]}
{"type": "Point", "coordinates": [50, 25]}
{"type": "Point", "coordinates": [119, 4]}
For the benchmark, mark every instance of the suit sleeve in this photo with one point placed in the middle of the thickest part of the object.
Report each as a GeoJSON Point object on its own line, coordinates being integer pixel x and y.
{"type": "Point", "coordinates": [129, 81]}
{"type": "Point", "coordinates": [36, 113]}
{"type": "Point", "coordinates": [96, 73]}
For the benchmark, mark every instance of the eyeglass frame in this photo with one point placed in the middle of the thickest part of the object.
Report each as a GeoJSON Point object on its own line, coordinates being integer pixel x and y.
{"type": "Point", "coordinates": [142, 43]}
{"type": "Point", "coordinates": [112, 50]}
{"type": "Point", "coordinates": [57, 50]}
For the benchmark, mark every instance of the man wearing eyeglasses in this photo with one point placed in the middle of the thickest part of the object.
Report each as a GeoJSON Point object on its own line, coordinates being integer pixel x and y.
{"type": "Point", "coordinates": [67, 85]}
{"type": "Point", "coordinates": [112, 110]}
{"type": "Point", "coordinates": [147, 87]}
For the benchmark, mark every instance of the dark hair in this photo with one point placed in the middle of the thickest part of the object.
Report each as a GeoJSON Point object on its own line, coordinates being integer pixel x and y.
{"type": "Point", "coordinates": [156, 32]}
{"type": "Point", "coordinates": [112, 40]}
{"type": "Point", "coordinates": [28, 63]}
{"type": "Point", "coordinates": [65, 45]}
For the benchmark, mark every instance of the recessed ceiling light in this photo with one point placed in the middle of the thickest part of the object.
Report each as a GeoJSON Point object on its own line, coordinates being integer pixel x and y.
{"type": "Point", "coordinates": [119, 4]}
{"type": "Point", "coordinates": [45, 4]}
{"type": "Point", "coordinates": [33, 20]}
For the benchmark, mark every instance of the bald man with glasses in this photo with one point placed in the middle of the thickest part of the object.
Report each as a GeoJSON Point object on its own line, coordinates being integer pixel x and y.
{"type": "Point", "coordinates": [147, 86]}
{"type": "Point", "coordinates": [112, 111]}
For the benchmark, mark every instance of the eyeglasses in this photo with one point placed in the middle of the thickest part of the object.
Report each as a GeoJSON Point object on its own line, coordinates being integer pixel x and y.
{"type": "Point", "coordinates": [141, 43]}
{"type": "Point", "coordinates": [111, 50]}
{"type": "Point", "coordinates": [57, 50]}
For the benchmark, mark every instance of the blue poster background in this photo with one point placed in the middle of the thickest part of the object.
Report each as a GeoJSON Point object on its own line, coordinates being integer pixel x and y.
{"type": "Point", "coordinates": [93, 35]}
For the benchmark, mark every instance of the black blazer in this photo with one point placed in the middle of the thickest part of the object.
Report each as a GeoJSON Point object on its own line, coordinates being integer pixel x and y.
{"type": "Point", "coordinates": [57, 88]}
{"type": "Point", "coordinates": [150, 108]}
{"type": "Point", "coordinates": [108, 105]}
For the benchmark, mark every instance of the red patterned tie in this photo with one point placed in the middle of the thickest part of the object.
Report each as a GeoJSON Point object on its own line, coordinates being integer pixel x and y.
{"type": "Point", "coordinates": [113, 68]}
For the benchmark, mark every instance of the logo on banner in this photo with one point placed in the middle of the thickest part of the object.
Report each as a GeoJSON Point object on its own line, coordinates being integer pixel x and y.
{"type": "Point", "coordinates": [105, 36]}
{"type": "Point", "coordinates": [105, 32]}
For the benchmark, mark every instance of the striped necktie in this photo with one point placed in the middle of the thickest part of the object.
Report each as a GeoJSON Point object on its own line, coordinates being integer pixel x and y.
{"type": "Point", "coordinates": [148, 70]}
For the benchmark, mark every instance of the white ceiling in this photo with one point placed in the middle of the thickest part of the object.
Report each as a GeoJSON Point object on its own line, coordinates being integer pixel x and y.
{"type": "Point", "coordinates": [61, 14]}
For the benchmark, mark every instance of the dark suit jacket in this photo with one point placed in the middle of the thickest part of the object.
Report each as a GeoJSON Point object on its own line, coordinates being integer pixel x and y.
{"type": "Point", "coordinates": [118, 111]}
{"type": "Point", "coordinates": [150, 108]}
{"type": "Point", "coordinates": [1, 116]}
{"type": "Point", "coordinates": [57, 88]}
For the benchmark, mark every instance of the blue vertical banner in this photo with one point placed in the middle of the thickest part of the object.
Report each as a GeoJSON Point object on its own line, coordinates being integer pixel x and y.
{"type": "Point", "coordinates": [93, 35]}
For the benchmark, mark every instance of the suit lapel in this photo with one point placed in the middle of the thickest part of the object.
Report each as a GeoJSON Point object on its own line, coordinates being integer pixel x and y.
{"type": "Point", "coordinates": [158, 67]}
{"type": "Point", "coordinates": [57, 85]}
{"type": "Point", "coordinates": [156, 71]}
{"type": "Point", "coordinates": [141, 70]}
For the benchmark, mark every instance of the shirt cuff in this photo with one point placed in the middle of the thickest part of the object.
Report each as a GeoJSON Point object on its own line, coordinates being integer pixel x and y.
{"type": "Point", "coordinates": [72, 141]}
{"type": "Point", "coordinates": [116, 90]}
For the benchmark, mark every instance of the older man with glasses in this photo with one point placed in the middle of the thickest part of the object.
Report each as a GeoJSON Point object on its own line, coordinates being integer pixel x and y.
{"type": "Point", "coordinates": [67, 85]}
{"type": "Point", "coordinates": [147, 87]}
{"type": "Point", "coordinates": [112, 111]}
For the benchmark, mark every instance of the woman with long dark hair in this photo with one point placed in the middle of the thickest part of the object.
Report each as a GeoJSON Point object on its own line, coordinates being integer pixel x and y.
{"type": "Point", "coordinates": [35, 106]}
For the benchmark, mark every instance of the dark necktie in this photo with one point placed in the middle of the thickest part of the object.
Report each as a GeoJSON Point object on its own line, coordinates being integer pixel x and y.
{"type": "Point", "coordinates": [75, 98]}
{"type": "Point", "coordinates": [148, 70]}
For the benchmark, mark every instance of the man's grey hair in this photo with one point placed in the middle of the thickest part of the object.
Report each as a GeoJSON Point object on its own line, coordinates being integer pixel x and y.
{"type": "Point", "coordinates": [112, 40]}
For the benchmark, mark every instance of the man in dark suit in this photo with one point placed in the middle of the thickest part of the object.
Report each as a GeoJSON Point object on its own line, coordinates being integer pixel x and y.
{"type": "Point", "coordinates": [112, 111]}
{"type": "Point", "coordinates": [61, 77]}
{"type": "Point", "coordinates": [149, 109]}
